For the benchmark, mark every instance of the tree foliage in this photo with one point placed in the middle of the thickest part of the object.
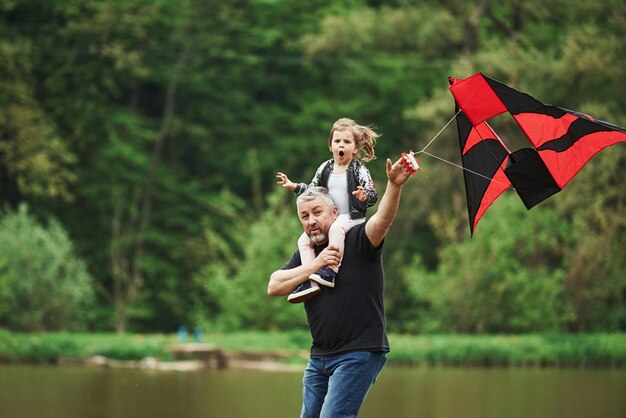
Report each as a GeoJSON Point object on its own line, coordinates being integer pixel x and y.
{"type": "Point", "coordinates": [152, 131]}
{"type": "Point", "coordinates": [517, 286]}
{"type": "Point", "coordinates": [238, 282]}
{"type": "Point", "coordinates": [43, 284]}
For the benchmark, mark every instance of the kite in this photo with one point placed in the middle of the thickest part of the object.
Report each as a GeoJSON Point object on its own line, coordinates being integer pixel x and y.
{"type": "Point", "coordinates": [563, 141]}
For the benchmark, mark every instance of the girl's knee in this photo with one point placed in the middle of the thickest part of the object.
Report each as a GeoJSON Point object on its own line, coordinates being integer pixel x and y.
{"type": "Point", "coordinates": [337, 228]}
{"type": "Point", "coordinates": [304, 240]}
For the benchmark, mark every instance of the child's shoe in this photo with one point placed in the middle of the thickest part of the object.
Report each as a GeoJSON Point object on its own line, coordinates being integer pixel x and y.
{"type": "Point", "coordinates": [325, 276]}
{"type": "Point", "coordinates": [304, 292]}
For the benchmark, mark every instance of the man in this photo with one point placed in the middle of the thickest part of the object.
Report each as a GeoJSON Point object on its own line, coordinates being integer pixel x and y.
{"type": "Point", "coordinates": [347, 322]}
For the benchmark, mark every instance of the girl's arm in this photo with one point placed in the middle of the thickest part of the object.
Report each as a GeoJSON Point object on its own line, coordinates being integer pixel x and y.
{"type": "Point", "coordinates": [365, 180]}
{"type": "Point", "coordinates": [301, 187]}
{"type": "Point", "coordinates": [284, 181]}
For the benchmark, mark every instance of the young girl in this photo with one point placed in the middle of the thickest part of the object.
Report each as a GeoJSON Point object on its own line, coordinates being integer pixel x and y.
{"type": "Point", "coordinates": [350, 185]}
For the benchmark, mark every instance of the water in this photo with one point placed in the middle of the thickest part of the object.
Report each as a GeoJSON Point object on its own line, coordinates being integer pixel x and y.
{"type": "Point", "coordinates": [67, 392]}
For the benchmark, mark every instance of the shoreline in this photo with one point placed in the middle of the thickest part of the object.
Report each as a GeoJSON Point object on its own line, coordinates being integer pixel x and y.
{"type": "Point", "coordinates": [290, 350]}
{"type": "Point", "coordinates": [151, 363]}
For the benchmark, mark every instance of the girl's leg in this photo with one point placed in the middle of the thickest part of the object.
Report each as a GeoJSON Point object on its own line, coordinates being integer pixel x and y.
{"type": "Point", "coordinates": [337, 238]}
{"type": "Point", "coordinates": [307, 254]}
{"type": "Point", "coordinates": [337, 234]}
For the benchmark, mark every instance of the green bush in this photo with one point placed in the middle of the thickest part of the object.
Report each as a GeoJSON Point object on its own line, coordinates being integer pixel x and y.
{"type": "Point", "coordinates": [37, 348]}
{"type": "Point", "coordinates": [241, 296]}
{"type": "Point", "coordinates": [43, 284]}
{"type": "Point", "coordinates": [130, 350]}
{"type": "Point", "coordinates": [508, 278]}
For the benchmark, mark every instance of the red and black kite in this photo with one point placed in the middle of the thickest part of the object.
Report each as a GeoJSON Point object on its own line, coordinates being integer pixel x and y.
{"type": "Point", "coordinates": [563, 142]}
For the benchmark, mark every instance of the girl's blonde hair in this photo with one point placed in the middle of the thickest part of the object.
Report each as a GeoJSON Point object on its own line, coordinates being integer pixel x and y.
{"type": "Point", "coordinates": [364, 136]}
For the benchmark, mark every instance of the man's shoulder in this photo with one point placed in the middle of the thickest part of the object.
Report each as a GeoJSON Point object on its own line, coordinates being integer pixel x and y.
{"type": "Point", "coordinates": [293, 262]}
{"type": "Point", "coordinates": [357, 230]}
{"type": "Point", "coordinates": [357, 236]}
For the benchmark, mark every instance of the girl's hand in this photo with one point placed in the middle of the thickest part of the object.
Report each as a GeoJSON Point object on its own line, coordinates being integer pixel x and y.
{"type": "Point", "coordinates": [360, 193]}
{"type": "Point", "coordinates": [284, 181]}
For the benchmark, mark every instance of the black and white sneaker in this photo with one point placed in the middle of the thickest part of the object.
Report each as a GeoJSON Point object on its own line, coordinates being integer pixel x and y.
{"type": "Point", "coordinates": [304, 292]}
{"type": "Point", "coordinates": [325, 276]}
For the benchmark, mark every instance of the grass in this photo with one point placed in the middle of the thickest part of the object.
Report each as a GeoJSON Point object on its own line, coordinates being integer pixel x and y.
{"type": "Point", "coordinates": [47, 347]}
{"type": "Point", "coordinates": [544, 350]}
{"type": "Point", "coordinates": [593, 350]}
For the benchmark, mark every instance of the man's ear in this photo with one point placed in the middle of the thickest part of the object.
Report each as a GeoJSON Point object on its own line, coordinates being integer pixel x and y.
{"type": "Point", "coordinates": [335, 212]}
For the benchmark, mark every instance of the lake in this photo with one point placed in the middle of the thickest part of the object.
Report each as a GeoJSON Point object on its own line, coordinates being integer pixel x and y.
{"type": "Point", "coordinates": [74, 392]}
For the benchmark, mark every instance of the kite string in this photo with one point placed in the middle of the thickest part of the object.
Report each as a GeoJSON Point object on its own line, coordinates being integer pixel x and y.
{"type": "Point", "coordinates": [444, 127]}
{"type": "Point", "coordinates": [465, 169]}
{"type": "Point", "coordinates": [423, 151]}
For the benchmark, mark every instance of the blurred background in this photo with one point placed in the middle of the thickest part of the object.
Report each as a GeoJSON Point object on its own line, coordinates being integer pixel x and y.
{"type": "Point", "coordinates": [139, 141]}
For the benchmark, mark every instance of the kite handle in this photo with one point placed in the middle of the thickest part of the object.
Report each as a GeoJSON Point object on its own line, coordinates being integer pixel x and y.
{"type": "Point", "coordinates": [411, 162]}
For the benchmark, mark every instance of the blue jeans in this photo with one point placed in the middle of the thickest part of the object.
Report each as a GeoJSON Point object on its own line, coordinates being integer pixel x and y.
{"type": "Point", "coordinates": [336, 386]}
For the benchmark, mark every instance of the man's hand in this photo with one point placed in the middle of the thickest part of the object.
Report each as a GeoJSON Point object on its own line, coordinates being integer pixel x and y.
{"type": "Point", "coordinates": [282, 282]}
{"type": "Point", "coordinates": [397, 173]}
{"type": "Point", "coordinates": [360, 193]}
{"type": "Point", "coordinates": [329, 257]}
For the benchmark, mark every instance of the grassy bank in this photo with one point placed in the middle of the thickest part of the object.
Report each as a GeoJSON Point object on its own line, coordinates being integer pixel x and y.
{"type": "Point", "coordinates": [589, 350]}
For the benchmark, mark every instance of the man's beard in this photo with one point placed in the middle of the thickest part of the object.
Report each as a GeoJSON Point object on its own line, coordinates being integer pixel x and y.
{"type": "Point", "coordinates": [319, 238]}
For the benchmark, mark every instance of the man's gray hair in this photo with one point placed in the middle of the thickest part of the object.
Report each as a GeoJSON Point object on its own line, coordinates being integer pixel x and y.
{"type": "Point", "coordinates": [313, 193]}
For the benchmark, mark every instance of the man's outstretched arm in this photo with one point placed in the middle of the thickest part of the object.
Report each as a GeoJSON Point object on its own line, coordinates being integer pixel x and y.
{"type": "Point", "coordinates": [378, 225]}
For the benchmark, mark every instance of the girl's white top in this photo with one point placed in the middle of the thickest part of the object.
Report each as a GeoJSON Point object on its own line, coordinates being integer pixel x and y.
{"type": "Point", "coordinates": [338, 190]}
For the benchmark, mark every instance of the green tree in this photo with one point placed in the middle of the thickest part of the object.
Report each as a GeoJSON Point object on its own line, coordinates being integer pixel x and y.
{"type": "Point", "coordinates": [595, 281]}
{"type": "Point", "coordinates": [238, 283]}
{"type": "Point", "coordinates": [143, 125]}
{"type": "Point", "coordinates": [43, 284]}
{"type": "Point", "coordinates": [508, 278]}
{"type": "Point", "coordinates": [35, 162]}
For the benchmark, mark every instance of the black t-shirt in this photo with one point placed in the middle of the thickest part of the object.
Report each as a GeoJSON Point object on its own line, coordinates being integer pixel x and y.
{"type": "Point", "coordinates": [351, 316]}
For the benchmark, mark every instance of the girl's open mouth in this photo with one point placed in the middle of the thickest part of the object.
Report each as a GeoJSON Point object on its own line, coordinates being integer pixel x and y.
{"type": "Point", "coordinates": [341, 153]}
